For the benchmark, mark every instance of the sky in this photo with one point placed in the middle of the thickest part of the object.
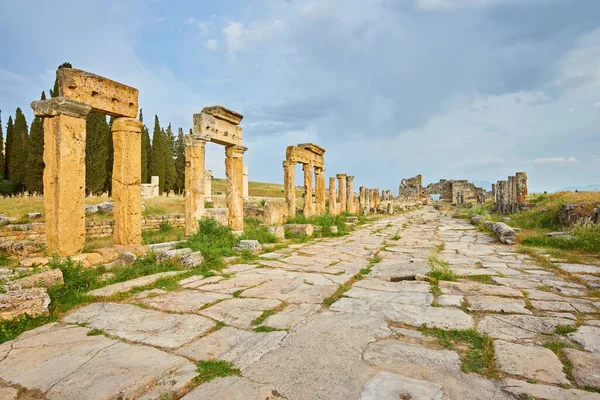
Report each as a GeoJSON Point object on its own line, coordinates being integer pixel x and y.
{"type": "Point", "coordinates": [455, 89]}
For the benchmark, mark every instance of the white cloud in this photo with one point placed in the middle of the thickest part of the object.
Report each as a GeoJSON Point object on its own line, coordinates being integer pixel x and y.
{"type": "Point", "coordinates": [189, 20]}
{"type": "Point", "coordinates": [160, 19]}
{"type": "Point", "coordinates": [211, 44]}
{"type": "Point", "coordinates": [237, 36]}
{"type": "Point", "coordinates": [204, 27]}
{"type": "Point", "coordinates": [443, 5]}
{"type": "Point", "coordinates": [555, 160]}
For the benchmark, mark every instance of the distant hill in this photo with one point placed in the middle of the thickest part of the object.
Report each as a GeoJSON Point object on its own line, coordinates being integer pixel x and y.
{"type": "Point", "coordinates": [587, 188]}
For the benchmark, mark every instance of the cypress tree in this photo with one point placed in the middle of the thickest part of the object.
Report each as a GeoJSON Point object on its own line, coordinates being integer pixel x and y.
{"type": "Point", "coordinates": [35, 156]}
{"type": "Point", "coordinates": [157, 167]}
{"type": "Point", "coordinates": [54, 90]}
{"type": "Point", "coordinates": [96, 152]}
{"type": "Point", "coordinates": [8, 145]}
{"type": "Point", "coordinates": [169, 154]}
{"type": "Point", "coordinates": [17, 167]}
{"type": "Point", "coordinates": [180, 162]}
{"type": "Point", "coordinates": [1, 149]}
{"type": "Point", "coordinates": [110, 157]}
{"type": "Point", "coordinates": [146, 149]}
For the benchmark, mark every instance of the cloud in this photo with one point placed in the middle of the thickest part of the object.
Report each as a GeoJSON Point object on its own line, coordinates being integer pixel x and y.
{"type": "Point", "coordinates": [189, 20]}
{"type": "Point", "coordinates": [237, 36]}
{"type": "Point", "coordinates": [443, 5]}
{"type": "Point", "coordinates": [204, 27]}
{"type": "Point", "coordinates": [160, 19]}
{"type": "Point", "coordinates": [555, 160]}
{"type": "Point", "coordinates": [212, 44]}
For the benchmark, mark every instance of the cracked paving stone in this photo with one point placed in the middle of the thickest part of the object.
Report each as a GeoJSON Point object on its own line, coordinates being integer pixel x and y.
{"type": "Point", "coordinates": [183, 301]}
{"type": "Point", "coordinates": [520, 327]}
{"type": "Point", "coordinates": [388, 386]}
{"type": "Point", "coordinates": [497, 304]}
{"type": "Point", "coordinates": [239, 312]}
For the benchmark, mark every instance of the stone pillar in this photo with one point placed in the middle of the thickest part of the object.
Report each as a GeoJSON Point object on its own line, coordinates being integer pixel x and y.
{"type": "Point", "coordinates": [320, 190]}
{"type": "Point", "coordinates": [514, 195]}
{"type": "Point", "coordinates": [64, 173]}
{"type": "Point", "coordinates": [505, 197]}
{"type": "Point", "coordinates": [308, 171]}
{"type": "Point", "coordinates": [522, 194]}
{"type": "Point", "coordinates": [494, 197]}
{"type": "Point", "coordinates": [195, 182]}
{"type": "Point", "coordinates": [376, 199]}
{"type": "Point", "coordinates": [350, 194]}
{"type": "Point", "coordinates": [234, 173]}
{"type": "Point", "coordinates": [361, 198]}
{"type": "Point", "coordinates": [289, 186]}
{"type": "Point", "coordinates": [154, 181]}
{"type": "Point", "coordinates": [342, 194]}
{"type": "Point", "coordinates": [332, 197]}
{"type": "Point", "coordinates": [127, 181]}
{"type": "Point", "coordinates": [390, 208]}
{"type": "Point", "coordinates": [208, 185]}
{"type": "Point", "coordinates": [369, 202]}
{"type": "Point", "coordinates": [245, 191]}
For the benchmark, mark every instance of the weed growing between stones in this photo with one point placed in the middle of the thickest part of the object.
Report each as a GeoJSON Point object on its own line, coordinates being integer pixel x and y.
{"type": "Point", "coordinates": [564, 329]}
{"type": "Point", "coordinates": [475, 350]}
{"type": "Point", "coordinates": [165, 233]}
{"type": "Point", "coordinates": [254, 230]}
{"type": "Point", "coordinates": [211, 369]}
{"type": "Point", "coordinates": [557, 348]}
{"type": "Point", "coordinates": [487, 279]}
{"type": "Point", "coordinates": [325, 222]}
{"type": "Point", "coordinates": [328, 301]}
{"type": "Point", "coordinates": [440, 269]}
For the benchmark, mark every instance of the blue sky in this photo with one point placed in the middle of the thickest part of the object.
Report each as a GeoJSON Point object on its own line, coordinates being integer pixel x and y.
{"type": "Point", "coordinates": [459, 89]}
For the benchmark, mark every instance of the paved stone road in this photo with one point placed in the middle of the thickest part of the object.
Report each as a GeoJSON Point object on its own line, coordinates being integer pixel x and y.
{"type": "Point", "coordinates": [365, 346]}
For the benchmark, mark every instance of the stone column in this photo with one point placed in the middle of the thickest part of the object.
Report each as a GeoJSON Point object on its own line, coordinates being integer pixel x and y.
{"type": "Point", "coordinates": [289, 186]}
{"type": "Point", "coordinates": [320, 190]}
{"type": "Point", "coordinates": [342, 194]}
{"type": "Point", "coordinates": [245, 192]}
{"type": "Point", "coordinates": [376, 199]}
{"type": "Point", "coordinates": [64, 173]}
{"type": "Point", "coordinates": [522, 194]}
{"type": "Point", "coordinates": [127, 181]}
{"type": "Point", "coordinates": [195, 182]}
{"type": "Point", "coordinates": [154, 181]}
{"type": "Point", "coordinates": [332, 197]}
{"type": "Point", "coordinates": [350, 194]}
{"type": "Point", "coordinates": [361, 198]}
{"type": "Point", "coordinates": [369, 200]}
{"type": "Point", "coordinates": [234, 172]}
{"type": "Point", "coordinates": [494, 197]}
{"type": "Point", "coordinates": [514, 197]}
{"type": "Point", "coordinates": [505, 197]}
{"type": "Point", "coordinates": [390, 208]}
{"type": "Point", "coordinates": [308, 171]}
{"type": "Point", "coordinates": [208, 185]}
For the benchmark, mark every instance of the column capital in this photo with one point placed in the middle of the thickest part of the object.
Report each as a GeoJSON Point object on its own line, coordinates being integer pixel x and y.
{"type": "Point", "coordinates": [319, 170]}
{"type": "Point", "coordinates": [288, 163]}
{"type": "Point", "coordinates": [126, 124]}
{"type": "Point", "coordinates": [60, 106]}
{"type": "Point", "coordinates": [235, 151]}
{"type": "Point", "coordinates": [349, 177]}
{"type": "Point", "coordinates": [307, 167]}
{"type": "Point", "coordinates": [340, 176]}
{"type": "Point", "coordinates": [193, 140]}
{"type": "Point", "coordinates": [208, 173]}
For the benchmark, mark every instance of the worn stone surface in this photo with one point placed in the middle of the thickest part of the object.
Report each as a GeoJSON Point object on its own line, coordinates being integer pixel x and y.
{"type": "Point", "coordinates": [529, 361]}
{"type": "Point", "coordinates": [141, 325]}
{"type": "Point", "coordinates": [388, 386]}
{"type": "Point", "coordinates": [586, 367]}
{"type": "Point", "coordinates": [184, 301]}
{"type": "Point", "coordinates": [33, 301]}
{"type": "Point", "coordinates": [44, 279]}
{"type": "Point", "coordinates": [518, 388]}
{"type": "Point", "coordinates": [392, 351]}
{"type": "Point", "coordinates": [520, 327]}
{"type": "Point", "coordinates": [239, 312]}
{"type": "Point", "coordinates": [497, 304]}
{"type": "Point", "coordinates": [234, 388]}
{"type": "Point", "coordinates": [588, 337]}
{"type": "Point", "coordinates": [128, 285]}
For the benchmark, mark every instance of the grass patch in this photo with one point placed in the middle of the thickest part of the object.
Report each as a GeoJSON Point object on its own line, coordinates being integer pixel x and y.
{"type": "Point", "coordinates": [254, 230]}
{"type": "Point", "coordinates": [564, 329]}
{"type": "Point", "coordinates": [165, 233]}
{"type": "Point", "coordinates": [487, 279]}
{"type": "Point", "coordinates": [96, 332]}
{"type": "Point", "coordinates": [211, 369]}
{"type": "Point", "coordinates": [325, 222]}
{"type": "Point", "coordinates": [476, 350]}
{"type": "Point", "coordinates": [440, 269]}
{"type": "Point", "coordinates": [267, 329]}
{"type": "Point", "coordinates": [557, 348]}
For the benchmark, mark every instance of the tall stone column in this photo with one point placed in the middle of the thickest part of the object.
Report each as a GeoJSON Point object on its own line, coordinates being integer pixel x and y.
{"type": "Point", "coordinates": [514, 195]}
{"type": "Point", "coordinates": [320, 190]}
{"type": "Point", "coordinates": [350, 194]}
{"type": "Point", "coordinates": [522, 193]}
{"type": "Point", "coordinates": [505, 197]}
{"type": "Point", "coordinates": [342, 194]}
{"type": "Point", "coordinates": [494, 197]}
{"type": "Point", "coordinates": [245, 191]}
{"type": "Point", "coordinates": [361, 199]}
{"type": "Point", "coordinates": [376, 199]}
{"type": "Point", "coordinates": [234, 172]}
{"type": "Point", "coordinates": [64, 173]}
{"type": "Point", "coordinates": [195, 182]}
{"type": "Point", "coordinates": [208, 185]}
{"type": "Point", "coordinates": [289, 186]}
{"type": "Point", "coordinates": [370, 203]}
{"type": "Point", "coordinates": [127, 180]}
{"type": "Point", "coordinates": [332, 197]}
{"type": "Point", "coordinates": [308, 189]}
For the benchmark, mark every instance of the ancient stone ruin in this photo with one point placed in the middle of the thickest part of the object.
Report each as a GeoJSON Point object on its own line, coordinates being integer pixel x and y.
{"type": "Point", "coordinates": [219, 125]}
{"type": "Point", "coordinates": [311, 157]}
{"type": "Point", "coordinates": [79, 92]}
{"type": "Point", "coordinates": [410, 188]}
{"type": "Point", "coordinates": [457, 192]}
{"type": "Point", "coordinates": [150, 190]}
{"type": "Point", "coordinates": [510, 196]}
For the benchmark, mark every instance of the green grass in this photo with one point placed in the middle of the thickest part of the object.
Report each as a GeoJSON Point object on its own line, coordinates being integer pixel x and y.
{"type": "Point", "coordinates": [585, 237]}
{"type": "Point", "coordinates": [476, 350]}
{"type": "Point", "coordinates": [254, 230]}
{"type": "Point", "coordinates": [96, 332]}
{"type": "Point", "coordinates": [211, 369]}
{"type": "Point", "coordinates": [343, 288]}
{"type": "Point", "coordinates": [557, 348]}
{"type": "Point", "coordinates": [440, 269]}
{"type": "Point", "coordinates": [487, 279]}
{"type": "Point", "coordinates": [564, 329]}
{"type": "Point", "coordinates": [165, 233]}
{"type": "Point", "coordinates": [325, 222]}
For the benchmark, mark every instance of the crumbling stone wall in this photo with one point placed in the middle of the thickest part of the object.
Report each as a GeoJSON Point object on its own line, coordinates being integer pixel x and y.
{"type": "Point", "coordinates": [511, 195]}
{"type": "Point", "coordinates": [457, 191]}
{"type": "Point", "coordinates": [410, 188]}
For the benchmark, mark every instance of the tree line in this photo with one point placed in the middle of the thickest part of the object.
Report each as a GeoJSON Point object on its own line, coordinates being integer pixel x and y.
{"type": "Point", "coordinates": [22, 163]}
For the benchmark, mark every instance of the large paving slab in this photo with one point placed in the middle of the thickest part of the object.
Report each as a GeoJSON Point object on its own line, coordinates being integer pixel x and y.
{"type": "Point", "coordinates": [538, 391]}
{"type": "Point", "coordinates": [183, 301]}
{"type": "Point", "coordinates": [497, 304]}
{"type": "Point", "coordinates": [292, 291]}
{"type": "Point", "coordinates": [239, 312]}
{"type": "Point", "coordinates": [137, 324]}
{"type": "Point", "coordinates": [588, 337]}
{"type": "Point", "coordinates": [520, 327]}
{"type": "Point", "coordinates": [388, 386]}
{"type": "Point", "coordinates": [586, 367]}
{"type": "Point", "coordinates": [64, 362]}
{"type": "Point", "coordinates": [128, 285]}
{"type": "Point", "coordinates": [233, 388]}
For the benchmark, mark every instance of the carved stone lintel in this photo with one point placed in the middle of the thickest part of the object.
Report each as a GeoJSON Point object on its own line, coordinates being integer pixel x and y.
{"type": "Point", "coordinates": [235, 151]}
{"type": "Point", "coordinates": [194, 140]}
{"type": "Point", "coordinates": [60, 106]}
{"type": "Point", "coordinates": [224, 113]}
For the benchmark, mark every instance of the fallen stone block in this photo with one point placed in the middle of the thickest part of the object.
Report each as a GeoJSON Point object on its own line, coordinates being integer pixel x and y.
{"type": "Point", "coordinates": [33, 262]}
{"type": "Point", "coordinates": [33, 302]}
{"type": "Point", "coordinates": [91, 208]}
{"type": "Point", "coordinates": [34, 215]}
{"type": "Point", "coordinates": [333, 229]}
{"type": "Point", "coordinates": [106, 207]}
{"type": "Point", "coordinates": [191, 260]}
{"type": "Point", "coordinates": [169, 254]}
{"type": "Point", "coordinates": [278, 231]}
{"type": "Point", "coordinates": [505, 233]}
{"type": "Point", "coordinates": [4, 220]}
{"type": "Point", "coordinates": [352, 219]}
{"type": "Point", "coordinates": [476, 219]}
{"type": "Point", "coordinates": [20, 248]}
{"type": "Point", "coordinates": [44, 279]}
{"type": "Point", "coordinates": [249, 245]}
{"type": "Point", "coordinates": [299, 229]}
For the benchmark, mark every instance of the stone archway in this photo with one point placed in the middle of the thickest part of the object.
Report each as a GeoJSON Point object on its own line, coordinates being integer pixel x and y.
{"type": "Point", "coordinates": [219, 125]}
{"type": "Point", "coordinates": [79, 92]}
{"type": "Point", "coordinates": [311, 157]}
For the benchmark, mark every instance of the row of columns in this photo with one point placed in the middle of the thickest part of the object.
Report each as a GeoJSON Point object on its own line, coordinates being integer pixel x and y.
{"type": "Point", "coordinates": [368, 200]}
{"type": "Point", "coordinates": [64, 176]}
{"type": "Point", "coordinates": [289, 176]}
{"type": "Point", "coordinates": [511, 195]}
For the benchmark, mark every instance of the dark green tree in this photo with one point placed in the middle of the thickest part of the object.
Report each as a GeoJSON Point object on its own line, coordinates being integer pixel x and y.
{"type": "Point", "coordinates": [146, 150]}
{"type": "Point", "coordinates": [159, 146]}
{"type": "Point", "coordinates": [8, 145]}
{"type": "Point", "coordinates": [35, 156]}
{"type": "Point", "coordinates": [1, 149]}
{"type": "Point", "coordinates": [110, 157]}
{"type": "Point", "coordinates": [54, 90]}
{"type": "Point", "coordinates": [180, 162]}
{"type": "Point", "coordinates": [17, 167]}
{"type": "Point", "coordinates": [170, 172]}
{"type": "Point", "coordinates": [96, 152]}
